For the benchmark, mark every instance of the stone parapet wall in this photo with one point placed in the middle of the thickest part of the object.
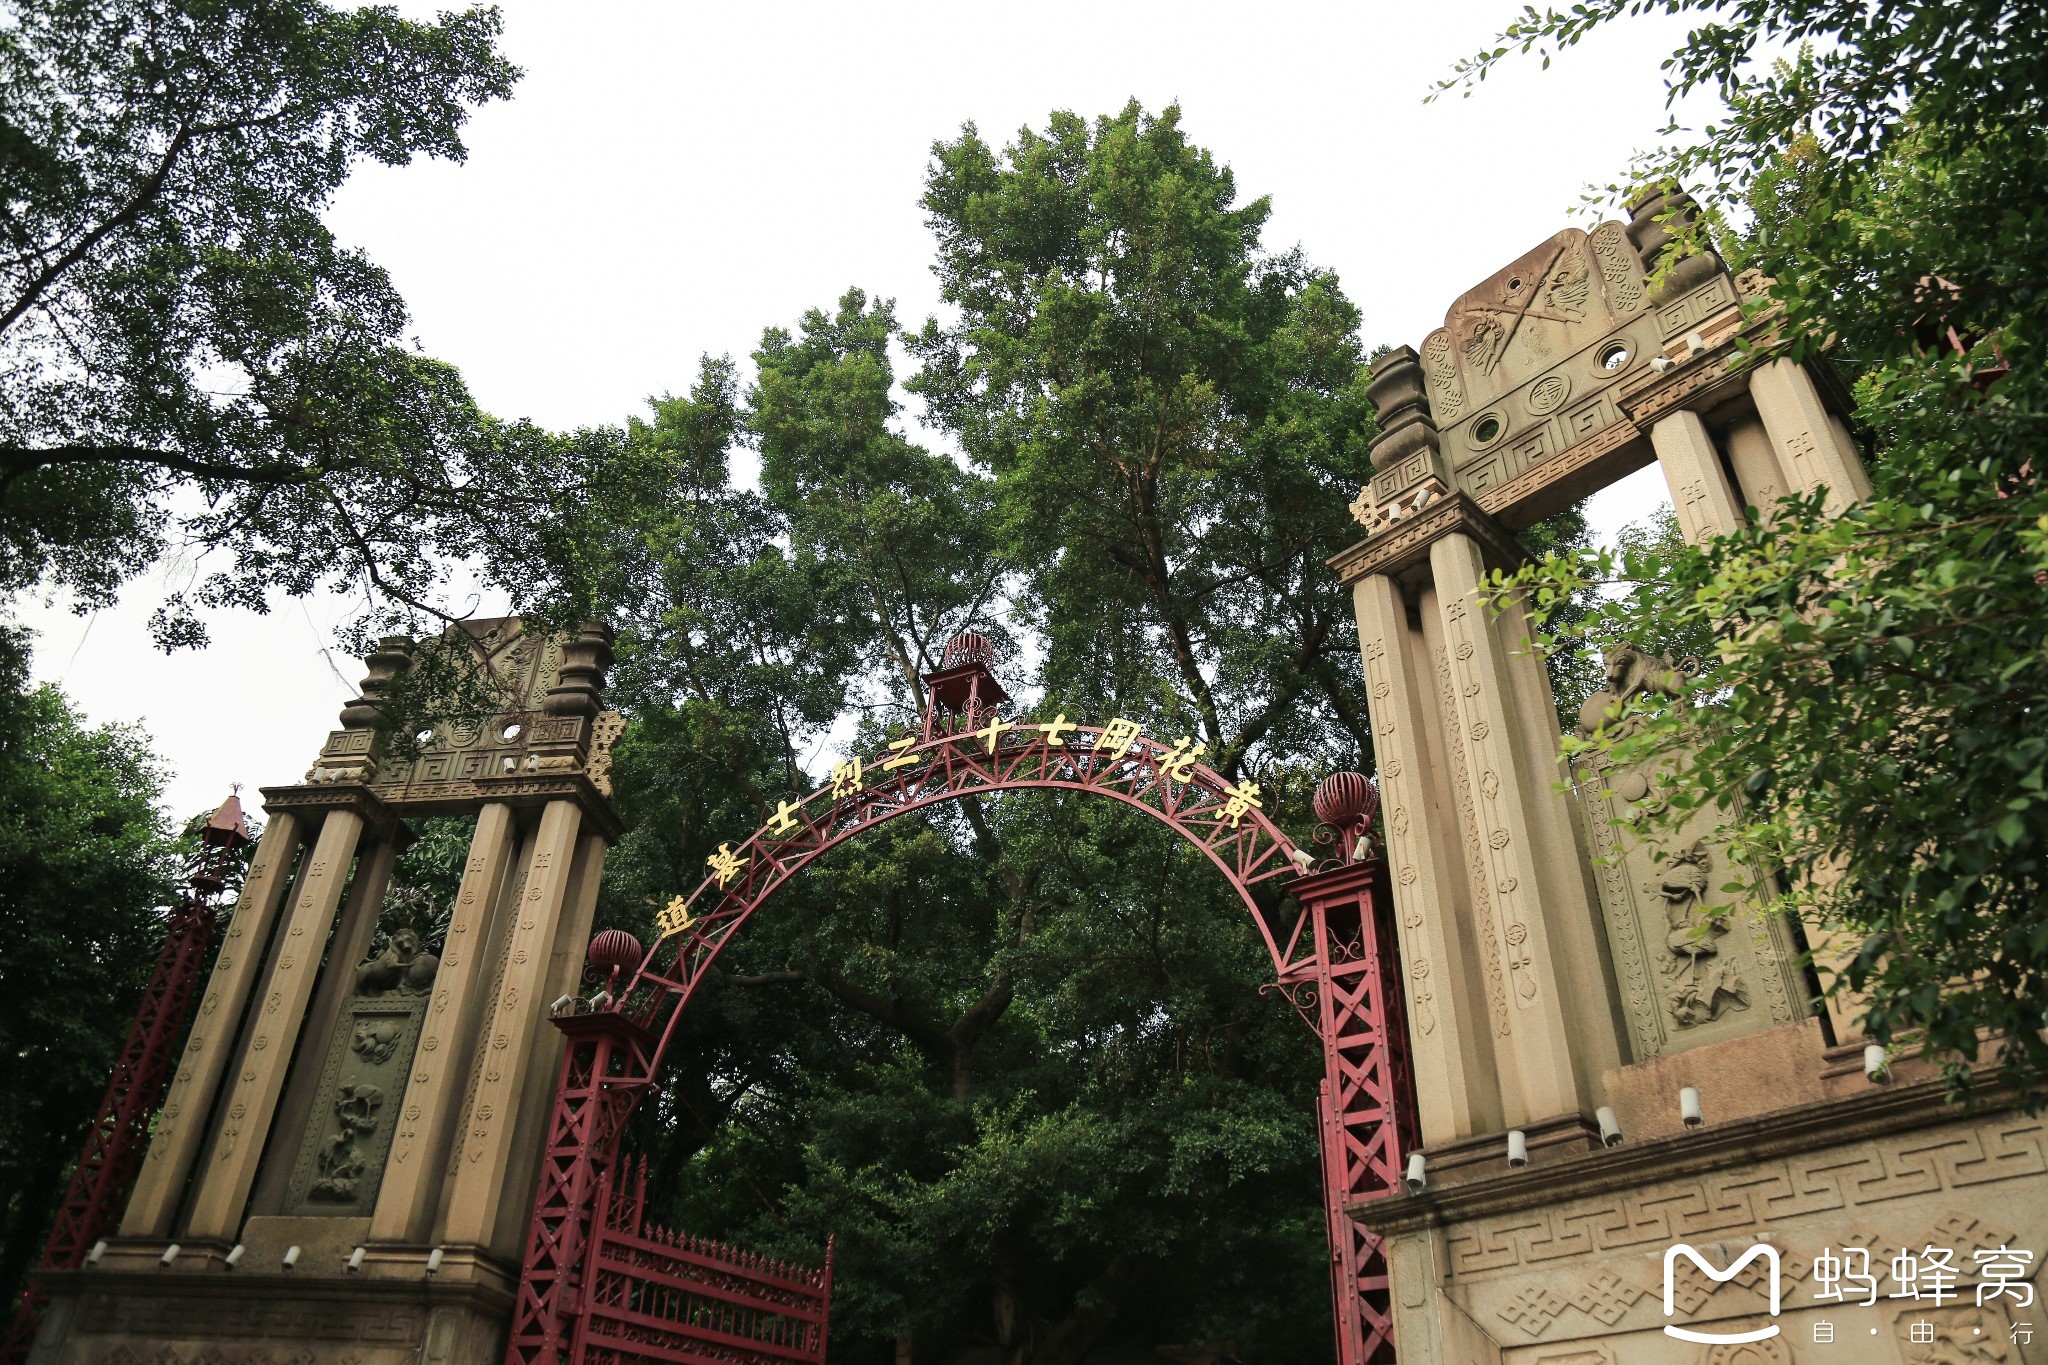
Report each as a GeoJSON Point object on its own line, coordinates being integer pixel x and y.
{"type": "Point", "coordinates": [1564, 1263]}
{"type": "Point", "coordinates": [390, 1315]}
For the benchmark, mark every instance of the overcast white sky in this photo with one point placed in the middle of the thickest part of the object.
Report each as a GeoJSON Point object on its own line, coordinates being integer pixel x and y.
{"type": "Point", "coordinates": [672, 177]}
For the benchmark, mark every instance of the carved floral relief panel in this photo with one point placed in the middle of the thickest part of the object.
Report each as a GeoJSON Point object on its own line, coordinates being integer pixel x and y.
{"type": "Point", "coordinates": [1693, 967]}
{"type": "Point", "coordinates": [342, 1155]}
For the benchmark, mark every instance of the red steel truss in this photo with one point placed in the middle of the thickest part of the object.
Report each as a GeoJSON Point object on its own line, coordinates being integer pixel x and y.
{"type": "Point", "coordinates": [1334, 960]}
{"type": "Point", "coordinates": [119, 1134]}
{"type": "Point", "coordinates": [1351, 992]}
{"type": "Point", "coordinates": [655, 1295]}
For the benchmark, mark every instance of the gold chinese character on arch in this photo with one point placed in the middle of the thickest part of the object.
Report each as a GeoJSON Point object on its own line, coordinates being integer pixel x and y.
{"type": "Point", "coordinates": [1054, 728]}
{"type": "Point", "coordinates": [903, 757]}
{"type": "Point", "coordinates": [991, 734]}
{"type": "Point", "coordinates": [847, 778]}
{"type": "Point", "coordinates": [1178, 762]}
{"type": "Point", "coordinates": [725, 865]}
{"type": "Point", "coordinates": [1118, 737]}
{"type": "Point", "coordinates": [674, 917]}
{"type": "Point", "coordinates": [784, 819]}
{"type": "Point", "coordinates": [1239, 799]}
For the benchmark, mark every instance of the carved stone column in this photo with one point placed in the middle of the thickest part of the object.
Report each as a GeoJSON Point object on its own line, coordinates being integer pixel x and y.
{"type": "Point", "coordinates": [175, 1143]}
{"type": "Point", "coordinates": [222, 1191]}
{"type": "Point", "coordinates": [1810, 444]}
{"type": "Point", "coordinates": [477, 1182]}
{"type": "Point", "coordinates": [1450, 1047]}
{"type": "Point", "coordinates": [1519, 839]}
{"type": "Point", "coordinates": [544, 1058]}
{"type": "Point", "coordinates": [427, 1116]}
{"type": "Point", "coordinates": [1706, 505]}
{"type": "Point", "coordinates": [1760, 480]}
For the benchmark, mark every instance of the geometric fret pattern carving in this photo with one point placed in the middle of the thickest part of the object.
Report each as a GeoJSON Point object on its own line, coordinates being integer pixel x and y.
{"type": "Point", "coordinates": [1759, 1197]}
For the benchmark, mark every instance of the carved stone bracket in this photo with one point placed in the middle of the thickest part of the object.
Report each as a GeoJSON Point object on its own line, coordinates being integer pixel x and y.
{"type": "Point", "coordinates": [379, 820]}
{"type": "Point", "coordinates": [1406, 548]}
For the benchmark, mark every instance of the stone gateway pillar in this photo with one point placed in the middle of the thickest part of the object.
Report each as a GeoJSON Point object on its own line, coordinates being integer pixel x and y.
{"type": "Point", "coordinates": [1571, 980]}
{"type": "Point", "coordinates": [342, 1170]}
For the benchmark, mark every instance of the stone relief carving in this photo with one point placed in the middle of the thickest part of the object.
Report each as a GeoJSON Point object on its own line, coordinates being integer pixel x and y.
{"type": "Point", "coordinates": [341, 1156]}
{"type": "Point", "coordinates": [1492, 864]}
{"type": "Point", "coordinates": [404, 966]}
{"type": "Point", "coordinates": [1769, 1194]}
{"type": "Point", "coordinates": [1567, 288]}
{"type": "Point", "coordinates": [1631, 672]}
{"type": "Point", "coordinates": [1483, 348]}
{"type": "Point", "coordinates": [1681, 967]}
{"type": "Point", "coordinates": [1620, 268]}
{"type": "Point", "coordinates": [124, 1355]}
{"type": "Point", "coordinates": [288, 1323]}
{"type": "Point", "coordinates": [1702, 982]}
{"type": "Point", "coordinates": [341, 1161]}
{"type": "Point", "coordinates": [1461, 784]}
{"type": "Point", "coordinates": [1772, 1352]}
{"type": "Point", "coordinates": [376, 1040]}
{"type": "Point", "coordinates": [1446, 395]}
{"type": "Point", "coordinates": [1599, 1258]}
{"type": "Point", "coordinates": [604, 733]}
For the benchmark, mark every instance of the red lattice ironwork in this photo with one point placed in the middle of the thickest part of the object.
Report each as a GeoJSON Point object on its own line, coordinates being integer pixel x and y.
{"type": "Point", "coordinates": [964, 748]}
{"type": "Point", "coordinates": [653, 1294]}
{"type": "Point", "coordinates": [1350, 990]}
{"type": "Point", "coordinates": [119, 1134]}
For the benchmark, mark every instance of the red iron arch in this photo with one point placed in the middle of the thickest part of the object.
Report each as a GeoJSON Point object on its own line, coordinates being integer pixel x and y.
{"type": "Point", "coordinates": [1334, 962]}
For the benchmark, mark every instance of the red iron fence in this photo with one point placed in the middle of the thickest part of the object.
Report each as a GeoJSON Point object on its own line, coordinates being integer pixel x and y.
{"type": "Point", "coordinates": [652, 1294]}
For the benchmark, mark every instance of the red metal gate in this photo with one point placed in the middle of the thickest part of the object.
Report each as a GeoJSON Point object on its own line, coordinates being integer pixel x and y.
{"type": "Point", "coordinates": [655, 1295]}
{"type": "Point", "coordinates": [1336, 961]}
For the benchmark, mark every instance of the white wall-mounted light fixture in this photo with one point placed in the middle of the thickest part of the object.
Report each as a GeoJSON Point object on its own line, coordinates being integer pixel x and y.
{"type": "Point", "coordinates": [562, 1002]}
{"type": "Point", "coordinates": [99, 1249]}
{"type": "Point", "coordinates": [1610, 1126]}
{"type": "Point", "coordinates": [170, 1254]}
{"type": "Point", "coordinates": [291, 1257]}
{"type": "Point", "coordinates": [234, 1256]}
{"type": "Point", "coordinates": [1689, 1107]}
{"type": "Point", "coordinates": [1877, 1064]}
{"type": "Point", "coordinates": [1518, 1148]}
{"type": "Point", "coordinates": [1417, 1176]}
{"type": "Point", "coordinates": [434, 1261]}
{"type": "Point", "coordinates": [1660, 363]}
{"type": "Point", "coordinates": [355, 1260]}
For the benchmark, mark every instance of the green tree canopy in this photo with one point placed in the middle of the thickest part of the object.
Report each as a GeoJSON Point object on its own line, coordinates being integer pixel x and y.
{"type": "Point", "coordinates": [85, 864]}
{"type": "Point", "coordinates": [188, 358]}
{"type": "Point", "coordinates": [1174, 418]}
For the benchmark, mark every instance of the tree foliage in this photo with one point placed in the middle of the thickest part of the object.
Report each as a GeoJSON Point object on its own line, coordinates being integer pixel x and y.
{"type": "Point", "coordinates": [1174, 419]}
{"type": "Point", "coordinates": [1876, 694]}
{"type": "Point", "coordinates": [190, 361]}
{"type": "Point", "coordinates": [85, 864]}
